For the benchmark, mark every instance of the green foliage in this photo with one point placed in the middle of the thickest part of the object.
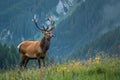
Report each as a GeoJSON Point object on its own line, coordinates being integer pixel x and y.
{"type": "Point", "coordinates": [97, 69]}
{"type": "Point", "coordinates": [108, 42]}
{"type": "Point", "coordinates": [8, 56]}
{"type": "Point", "coordinates": [106, 45]}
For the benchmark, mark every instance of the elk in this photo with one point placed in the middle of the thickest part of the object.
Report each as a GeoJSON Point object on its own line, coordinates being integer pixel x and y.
{"type": "Point", "coordinates": [36, 49]}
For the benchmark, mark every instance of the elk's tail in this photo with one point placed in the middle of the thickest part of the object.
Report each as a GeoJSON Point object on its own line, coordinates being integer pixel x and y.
{"type": "Point", "coordinates": [19, 46]}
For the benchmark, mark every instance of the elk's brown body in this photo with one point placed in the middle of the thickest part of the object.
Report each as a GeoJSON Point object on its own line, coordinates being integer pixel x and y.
{"type": "Point", "coordinates": [31, 49]}
{"type": "Point", "coordinates": [35, 49]}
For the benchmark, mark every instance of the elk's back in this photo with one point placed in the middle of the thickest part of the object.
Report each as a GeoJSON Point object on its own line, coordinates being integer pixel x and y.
{"type": "Point", "coordinates": [30, 48]}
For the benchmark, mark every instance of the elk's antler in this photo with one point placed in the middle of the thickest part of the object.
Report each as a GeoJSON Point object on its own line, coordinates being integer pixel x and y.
{"type": "Point", "coordinates": [35, 21]}
{"type": "Point", "coordinates": [52, 22]}
{"type": "Point", "coordinates": [51, 26]}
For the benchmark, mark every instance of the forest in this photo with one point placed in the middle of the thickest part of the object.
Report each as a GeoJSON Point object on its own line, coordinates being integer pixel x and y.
{"type": "Point", "coordinates": [9, 56]}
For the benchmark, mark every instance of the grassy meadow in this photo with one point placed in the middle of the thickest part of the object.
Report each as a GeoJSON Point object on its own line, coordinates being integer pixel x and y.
{"type": "Point", "coordinates": [92, 69]}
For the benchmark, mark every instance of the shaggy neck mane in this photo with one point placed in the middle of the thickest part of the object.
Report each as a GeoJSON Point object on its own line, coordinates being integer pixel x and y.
{"type": "Point", "coordinates": [45, 44]}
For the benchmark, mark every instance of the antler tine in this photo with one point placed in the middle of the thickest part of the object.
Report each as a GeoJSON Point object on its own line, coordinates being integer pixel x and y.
{"type": "Point", "coordinates": [51, 24]}
{"type": "Point", "coordinates": [35, 21]}
{"type": "Point", "coordinates": [47, 28]}
{"type": "Point", "coordinates": [43, 28]}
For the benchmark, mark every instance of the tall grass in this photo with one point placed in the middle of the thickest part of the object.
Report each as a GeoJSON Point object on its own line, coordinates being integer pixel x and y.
{"type": "Point", "coordinates": [95, 69]}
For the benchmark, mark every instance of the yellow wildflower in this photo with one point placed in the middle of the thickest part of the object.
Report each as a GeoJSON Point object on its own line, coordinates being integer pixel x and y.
{"type": "Point", "coordinates": [64, 68]}
{"type": "Point", "coordinates": [97, 60]}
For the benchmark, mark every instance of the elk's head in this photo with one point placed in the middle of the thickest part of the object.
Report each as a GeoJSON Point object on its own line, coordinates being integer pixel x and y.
{"type": "Point", "coordinates": [47, 32]}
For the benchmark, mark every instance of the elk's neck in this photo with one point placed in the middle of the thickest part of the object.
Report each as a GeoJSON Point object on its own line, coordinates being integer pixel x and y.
{"type": "Point", "coordinates": [45, 44]}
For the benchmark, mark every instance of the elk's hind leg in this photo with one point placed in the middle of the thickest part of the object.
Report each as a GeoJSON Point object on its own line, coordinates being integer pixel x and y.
{"type": "Point", "coordinates": [23, 60]}
{"type": "Point", "coordinates": [26, 61]}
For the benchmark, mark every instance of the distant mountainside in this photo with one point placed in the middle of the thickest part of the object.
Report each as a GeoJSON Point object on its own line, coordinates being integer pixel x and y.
{"type": "Point", "coordinates": [90, 20]}
{"type": "Point", "coordinates": [78, 22]}
{"type": "Point", "coordinates": [108, 43]}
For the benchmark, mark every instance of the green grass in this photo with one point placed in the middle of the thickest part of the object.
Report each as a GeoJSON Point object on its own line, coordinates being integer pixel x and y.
{"type": "Point", "coordinates": [104, 69]}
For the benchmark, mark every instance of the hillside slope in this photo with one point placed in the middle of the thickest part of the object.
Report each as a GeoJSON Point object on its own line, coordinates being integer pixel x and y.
{"type": "Point", "coordinates": [107, 44]}
{"type": "Point", "coordinates": [89, 21]}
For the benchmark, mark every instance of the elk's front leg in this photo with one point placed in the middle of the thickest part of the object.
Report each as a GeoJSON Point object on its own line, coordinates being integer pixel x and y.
{"type": "Point", "coordinates": [38, 58]}
{"type": "Point", "coordinates": [43, 62]}
{"type": "Point", "coordinates": [39, 63]}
